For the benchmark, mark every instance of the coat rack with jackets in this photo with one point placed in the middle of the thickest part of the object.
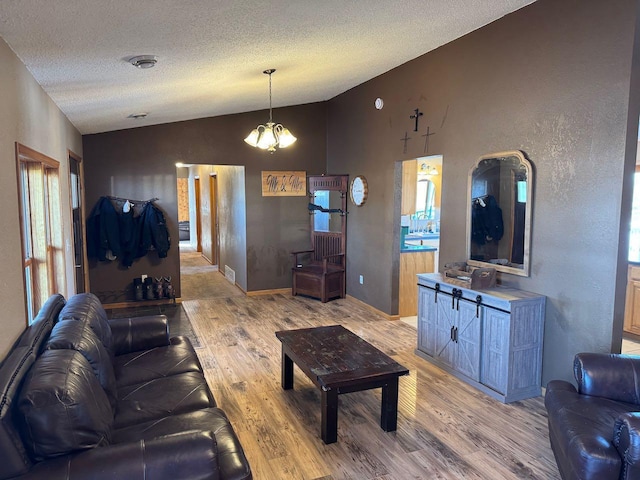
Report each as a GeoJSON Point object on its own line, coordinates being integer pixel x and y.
{"type": "Point", "coordinates": [123, 229]}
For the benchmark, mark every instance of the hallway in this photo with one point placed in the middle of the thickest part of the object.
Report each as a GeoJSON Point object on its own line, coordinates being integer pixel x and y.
{"type": "Point", "coordinates": [200, 280]}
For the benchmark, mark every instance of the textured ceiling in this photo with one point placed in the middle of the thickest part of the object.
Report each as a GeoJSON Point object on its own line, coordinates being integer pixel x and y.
{"type": "Point", "coordinates": [211, 53]}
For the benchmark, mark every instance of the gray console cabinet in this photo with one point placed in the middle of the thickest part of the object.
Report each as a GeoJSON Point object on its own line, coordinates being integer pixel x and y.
{"type": "Point", "coordinates": [491, 339]}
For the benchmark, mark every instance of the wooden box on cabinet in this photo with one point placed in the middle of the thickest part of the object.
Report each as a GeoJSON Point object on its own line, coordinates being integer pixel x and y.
{"type": "Point", "coordinates": [491, 338]}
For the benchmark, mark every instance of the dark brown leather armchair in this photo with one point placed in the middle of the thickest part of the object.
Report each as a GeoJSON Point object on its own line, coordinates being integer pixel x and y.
{"type": "Point", "coordinates": [594, 429]}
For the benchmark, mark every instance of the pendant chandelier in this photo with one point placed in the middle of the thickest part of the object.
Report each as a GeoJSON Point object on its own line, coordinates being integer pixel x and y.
{"type": "Point", "coordinates": [268, 136]}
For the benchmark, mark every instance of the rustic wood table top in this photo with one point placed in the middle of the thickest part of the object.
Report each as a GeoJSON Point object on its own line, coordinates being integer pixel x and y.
{"type": "Point", "coordinates": [333, 356]}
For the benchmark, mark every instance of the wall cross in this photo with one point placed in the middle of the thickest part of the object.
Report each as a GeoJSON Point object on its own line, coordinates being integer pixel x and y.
{"type": "Point", "coordinates": [417, 114]}
{"type": "Point", "coordinates": [405, 139]}
{"type": "Point", "coordinates": [426, 140]}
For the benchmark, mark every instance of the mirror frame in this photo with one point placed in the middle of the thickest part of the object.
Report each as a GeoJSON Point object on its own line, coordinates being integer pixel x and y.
{"type": "Point", "coordinates": [524, 271]}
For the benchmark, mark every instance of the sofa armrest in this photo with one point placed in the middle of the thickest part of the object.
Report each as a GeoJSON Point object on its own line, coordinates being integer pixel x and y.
{"type": "Point", "coordinates": [608, 375]}
{"type": "Point", "coordinates": [626, 438]}
{"type": "Point", "coordinates": [187, 456]}
{"type": "Point", "coordinates": [139, 333]}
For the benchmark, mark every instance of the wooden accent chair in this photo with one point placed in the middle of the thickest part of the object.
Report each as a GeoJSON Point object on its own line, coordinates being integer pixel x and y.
{"type": "Point", "coordinates": [323, 275]}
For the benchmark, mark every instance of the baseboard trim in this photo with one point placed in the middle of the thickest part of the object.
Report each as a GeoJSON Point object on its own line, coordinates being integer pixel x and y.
{"type": "Point", "coordinates": [373, 309]}
{"type": "Point", "coordinates": [141, 303]}
{"type": "Point", "coordinates": [275, 291]}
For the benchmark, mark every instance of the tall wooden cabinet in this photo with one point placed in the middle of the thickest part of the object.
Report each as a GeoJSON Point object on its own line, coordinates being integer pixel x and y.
{"type": "Point", "coordinates": [491, 339]}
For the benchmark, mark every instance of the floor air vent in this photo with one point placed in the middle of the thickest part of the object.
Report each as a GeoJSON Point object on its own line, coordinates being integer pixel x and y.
{"type": "Point", "coordinates": [230, 274]}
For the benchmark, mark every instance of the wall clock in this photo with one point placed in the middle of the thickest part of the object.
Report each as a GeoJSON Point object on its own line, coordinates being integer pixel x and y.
{"type": "Point", "coordinates": [359, 190]}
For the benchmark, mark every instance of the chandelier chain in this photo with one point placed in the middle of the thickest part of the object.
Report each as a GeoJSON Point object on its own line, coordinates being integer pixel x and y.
{"type": "Point", "coordinates": [270, 116]}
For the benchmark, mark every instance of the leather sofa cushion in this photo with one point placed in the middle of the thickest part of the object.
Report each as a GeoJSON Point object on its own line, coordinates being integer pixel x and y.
{"type": "Point", "coordinates": [231, 458]}
{"type": "Point", "coordinates": [138, 367]}
{"type": "Point", "coordinates": [14, 458]}
{"type": "Point", "coordinates": [36, 333]}
{"type": "Point", "coordinates": [76, 335]}
{"type": "Point", "coordinates": [186, 455]}
{"type": "Point", "coordinates": [87, 307]}
{"type": "Point", "coordinates": [138, 333]}
{"type": "Point", "coordinates": [63, 407]}
{"type": "Point", "coordinates": [161, 397]}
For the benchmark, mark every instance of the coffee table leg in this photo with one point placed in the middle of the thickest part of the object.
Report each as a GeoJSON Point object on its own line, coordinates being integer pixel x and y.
{"type": "Point", "coordinates": [329, 415]}
{"type": "Point", "coordinates": [287, 371]}
{"type": "Point", "coordinates": [389, 412]}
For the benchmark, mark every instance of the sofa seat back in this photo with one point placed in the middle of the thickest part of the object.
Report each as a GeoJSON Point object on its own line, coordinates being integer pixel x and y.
{"type": "Point", "coordinates": [63, 407]}
{"type": "Point", "coordinates": [75, 335]}
{"type": "Point", "coordinates": [13, 370]}
{"type": "Point", "coordinates": [86, 307]}
{"type": "Point", "coordinates": [15, 460]}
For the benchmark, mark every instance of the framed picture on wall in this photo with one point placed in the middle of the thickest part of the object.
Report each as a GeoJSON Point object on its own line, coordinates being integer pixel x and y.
{"type": "Point", "coordinates": [284, 183]}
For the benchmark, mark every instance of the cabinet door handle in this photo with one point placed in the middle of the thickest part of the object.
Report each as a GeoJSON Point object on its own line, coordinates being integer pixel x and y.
{"type": "Point", "coordinates": [458, 297]}
{"type": "Point", "coordinates": [455, 334]}
{"type": "Point", "coordinates": [435, 299]}
{"type": "Point", "coordinates": [478, 303]}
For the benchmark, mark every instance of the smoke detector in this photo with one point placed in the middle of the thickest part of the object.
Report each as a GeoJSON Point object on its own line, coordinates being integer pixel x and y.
{"type": "Point", "coordinates": [143, 61]}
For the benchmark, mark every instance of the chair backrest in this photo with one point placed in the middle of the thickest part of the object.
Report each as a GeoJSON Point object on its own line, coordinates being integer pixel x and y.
{"type": "Point", "coordinates": [328, 243]}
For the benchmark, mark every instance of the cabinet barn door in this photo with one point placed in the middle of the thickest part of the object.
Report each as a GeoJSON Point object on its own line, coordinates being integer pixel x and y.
{"type": "Point", "coordinates": [495, 356]}
{"type": "Point", "coordinates": [445, 347]}
{"type": "Point", "coordinates": [468, 336]}
{"type": "Point", "coordinates": [427, 321]}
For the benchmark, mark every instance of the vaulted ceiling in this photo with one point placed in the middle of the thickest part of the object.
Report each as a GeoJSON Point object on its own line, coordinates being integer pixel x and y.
{"type": "Point", "coordinates": [211, 53]}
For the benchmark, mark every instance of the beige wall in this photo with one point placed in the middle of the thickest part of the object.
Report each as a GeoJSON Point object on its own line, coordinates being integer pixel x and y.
{"type": "Point", "coordinates": [31, 118]}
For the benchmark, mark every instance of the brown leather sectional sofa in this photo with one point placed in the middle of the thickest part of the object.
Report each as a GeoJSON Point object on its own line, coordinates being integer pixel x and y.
{"type": "Point", "coordinates": [83, 397]}
{"type": "Point", "coordinates": [595, 429]}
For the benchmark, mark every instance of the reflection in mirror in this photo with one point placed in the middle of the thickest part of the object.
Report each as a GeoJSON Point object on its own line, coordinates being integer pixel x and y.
{"type": "Point", "coordinates": [499, 216]}
{"type": "Point", "coordinates": [425, 199]}
{"type": "Point", "coordinates": [326, 218]}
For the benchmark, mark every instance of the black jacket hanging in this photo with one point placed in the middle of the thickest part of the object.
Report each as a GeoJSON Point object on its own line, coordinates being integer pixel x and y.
{"type": "Point", "coordinates": [103, 233]}
{"type": "Point", "coordinates": [128, 235]}
{"type": "Point", "coordinates": [486, 221]}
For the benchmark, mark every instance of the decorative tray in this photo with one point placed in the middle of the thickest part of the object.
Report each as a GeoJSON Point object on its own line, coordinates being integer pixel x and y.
{"type": "Point", "coordinates": [468, 276]}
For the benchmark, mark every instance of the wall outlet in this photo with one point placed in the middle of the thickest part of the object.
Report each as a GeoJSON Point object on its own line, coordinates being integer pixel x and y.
{"type": "Point", "coordinates": [361, 279]}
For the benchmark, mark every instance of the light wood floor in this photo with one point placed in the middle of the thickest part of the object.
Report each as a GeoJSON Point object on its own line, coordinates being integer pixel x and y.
{"type": "Point", "coordinates": [446, 429]}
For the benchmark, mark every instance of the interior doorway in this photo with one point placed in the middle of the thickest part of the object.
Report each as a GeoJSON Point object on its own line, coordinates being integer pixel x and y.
{"type": "Point", "coordinates": [198, 213]}
{"type": "Point", "coordinates": [76, 183]}
{"type": "Point", "coordinates": [217, 219]}
{"type": "Point", "coordinates": [213, 202]}
{"type": "Point", "coordinates": [419, 229]}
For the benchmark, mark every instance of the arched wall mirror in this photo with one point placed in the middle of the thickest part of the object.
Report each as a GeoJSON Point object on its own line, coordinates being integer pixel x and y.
{"type": "Point", "coordinates": [499, 213]}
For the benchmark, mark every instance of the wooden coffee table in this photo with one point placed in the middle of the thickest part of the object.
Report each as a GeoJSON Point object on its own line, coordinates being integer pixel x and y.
{"type": "Point", "coordinates": [337, 361]}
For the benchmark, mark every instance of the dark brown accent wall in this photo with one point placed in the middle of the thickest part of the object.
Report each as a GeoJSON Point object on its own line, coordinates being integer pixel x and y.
{"type": "Point", "coordinates": [551, 79]}
{"type": "Point", "coordinates": [140, 163]}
